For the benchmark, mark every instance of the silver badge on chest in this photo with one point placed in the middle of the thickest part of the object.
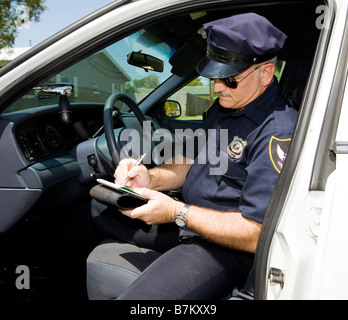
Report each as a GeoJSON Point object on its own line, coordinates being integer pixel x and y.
{"type": "Point", "coordinates": [236, 147]}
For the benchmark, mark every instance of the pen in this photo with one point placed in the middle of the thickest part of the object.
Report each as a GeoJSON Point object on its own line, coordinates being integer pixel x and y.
{"type": "Point", "coordinates": [139, 161]}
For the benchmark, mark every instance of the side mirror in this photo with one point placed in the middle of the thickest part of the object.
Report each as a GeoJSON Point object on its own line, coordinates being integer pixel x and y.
{"type": "Point", "coordinates": [172, 109]}
{"type": "Point", "coordinates": [145, 61]}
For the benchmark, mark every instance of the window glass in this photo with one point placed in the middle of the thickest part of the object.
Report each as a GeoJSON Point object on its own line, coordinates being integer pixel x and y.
{"type": "Point", "coordinates": [105, 72]}
{"type": "Point", "coordinates": [194, 98]}
{"type": "Point", "coordinates": [280, 68]}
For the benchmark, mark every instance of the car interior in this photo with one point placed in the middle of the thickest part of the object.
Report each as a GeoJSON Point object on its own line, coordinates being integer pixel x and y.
{"type": "Point", "coordinates": [61, 132]}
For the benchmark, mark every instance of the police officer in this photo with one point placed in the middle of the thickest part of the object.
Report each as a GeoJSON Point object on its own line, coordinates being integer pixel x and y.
{"type": "Point", "coordinates": [222, 212]}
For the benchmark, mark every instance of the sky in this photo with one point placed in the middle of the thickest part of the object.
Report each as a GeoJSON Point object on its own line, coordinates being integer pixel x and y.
{"type": "Point", "coordinates": [58, 15]}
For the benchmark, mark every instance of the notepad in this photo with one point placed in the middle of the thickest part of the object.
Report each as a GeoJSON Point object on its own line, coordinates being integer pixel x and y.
{"type": "Point", "coordinates": [117, 195]}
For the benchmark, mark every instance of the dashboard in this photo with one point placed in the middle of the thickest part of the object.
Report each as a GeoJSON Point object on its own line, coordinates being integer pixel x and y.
{"type": "Point", "coordinates": [45, 157]}
{"type": "Point", "coordinates": [46, 136]}
{"type": "Point", "coordinates": [38, 163]}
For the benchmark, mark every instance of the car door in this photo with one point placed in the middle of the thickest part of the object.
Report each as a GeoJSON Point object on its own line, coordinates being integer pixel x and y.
{"type": "Point", "coordinates": [302, 243]}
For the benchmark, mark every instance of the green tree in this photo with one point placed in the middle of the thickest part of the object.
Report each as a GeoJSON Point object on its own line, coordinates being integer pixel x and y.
{"type": "Point", "coordinates": [129, 88]}
{"type": "Point", "coordinates": [15, 14]}
{"type": "Point", "coordinates": [196, 83]}
{"type": "Point", "coordinates": [150, 82]}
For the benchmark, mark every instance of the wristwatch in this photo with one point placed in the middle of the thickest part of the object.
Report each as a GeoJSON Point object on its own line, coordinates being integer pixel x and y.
{"type": "Point", "coordinates": [180, 218]}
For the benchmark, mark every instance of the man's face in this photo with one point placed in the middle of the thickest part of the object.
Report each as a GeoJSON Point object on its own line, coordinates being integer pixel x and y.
{"type": "Point", "coordinates": [247, 90]}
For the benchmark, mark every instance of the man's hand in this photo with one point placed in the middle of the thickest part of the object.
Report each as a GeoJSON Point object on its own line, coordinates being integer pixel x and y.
{"type": "Point", "coordinates": [160, 208]}
{"type": "Point", "coordinates": [163, 178]}
{"type": "Point", "coordinates": [139, 175]}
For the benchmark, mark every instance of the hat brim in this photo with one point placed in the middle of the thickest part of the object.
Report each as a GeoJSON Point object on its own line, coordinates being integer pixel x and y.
{"type": "Point", "coordinates": [212, 69]}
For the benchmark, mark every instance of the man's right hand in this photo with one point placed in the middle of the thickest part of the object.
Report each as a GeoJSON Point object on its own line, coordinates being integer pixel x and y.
{"type": "Point", "coordinates": [139, 175]}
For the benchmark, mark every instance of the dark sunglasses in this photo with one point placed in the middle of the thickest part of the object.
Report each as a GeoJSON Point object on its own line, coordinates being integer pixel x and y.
{"type": "Point", "coordinates": [233, 83]}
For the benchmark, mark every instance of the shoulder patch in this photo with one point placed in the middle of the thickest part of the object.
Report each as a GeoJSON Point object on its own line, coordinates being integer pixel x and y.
{"type": "Point", "coordinates": [278, 150]}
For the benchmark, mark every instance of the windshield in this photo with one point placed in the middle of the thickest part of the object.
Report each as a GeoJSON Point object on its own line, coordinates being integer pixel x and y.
{"type": "Point", "coordinates": [108, 71]}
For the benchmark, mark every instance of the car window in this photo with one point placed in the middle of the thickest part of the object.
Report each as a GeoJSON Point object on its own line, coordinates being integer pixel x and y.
{"type": "Point", "coordinates": [105, 72]}
{"type": "Point", "coordinates": [194, 98]}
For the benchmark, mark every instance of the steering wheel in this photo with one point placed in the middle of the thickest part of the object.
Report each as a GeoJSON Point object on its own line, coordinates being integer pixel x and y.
{"type": "Point", "coordinates": [113, 146]}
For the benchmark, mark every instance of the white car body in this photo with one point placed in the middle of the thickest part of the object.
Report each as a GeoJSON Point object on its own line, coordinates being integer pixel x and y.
{"type": "Point", "coordinates": [308, 245]}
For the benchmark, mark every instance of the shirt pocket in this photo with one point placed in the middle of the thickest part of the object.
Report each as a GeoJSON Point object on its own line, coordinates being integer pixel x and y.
{"type": "Point", "coordinates": [230, 182]}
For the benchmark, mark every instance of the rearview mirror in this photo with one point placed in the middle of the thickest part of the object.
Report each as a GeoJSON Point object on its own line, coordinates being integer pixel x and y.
{"type": "Point", "coordinates": [145, 61]}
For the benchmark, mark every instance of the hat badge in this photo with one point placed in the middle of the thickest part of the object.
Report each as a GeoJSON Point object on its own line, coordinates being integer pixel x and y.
{"type": "Point", "coordinates": [236, 147]}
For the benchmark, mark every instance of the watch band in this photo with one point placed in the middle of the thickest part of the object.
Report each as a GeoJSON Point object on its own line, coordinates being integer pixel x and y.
{"type": "Point", "coordinates": [180, 218]}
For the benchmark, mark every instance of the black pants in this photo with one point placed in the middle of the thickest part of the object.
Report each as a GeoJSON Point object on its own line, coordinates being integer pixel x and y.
{"type": "Point", "coordinates": [190, 268]}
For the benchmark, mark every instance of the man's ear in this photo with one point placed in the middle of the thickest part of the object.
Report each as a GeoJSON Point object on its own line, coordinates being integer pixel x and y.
{"type": "Point", "coordinates": [267, 72]}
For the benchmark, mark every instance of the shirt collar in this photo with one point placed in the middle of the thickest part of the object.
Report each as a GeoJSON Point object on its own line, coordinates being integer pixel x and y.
{"type": "Point", "coordinates": [258, 109]}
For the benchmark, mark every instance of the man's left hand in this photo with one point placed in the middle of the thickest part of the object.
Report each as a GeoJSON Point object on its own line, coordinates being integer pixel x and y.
{"type": "Point", "coordinates": [160, 208]}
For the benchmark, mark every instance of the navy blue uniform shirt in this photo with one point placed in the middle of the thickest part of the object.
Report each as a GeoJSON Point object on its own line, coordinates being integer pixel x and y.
{"type": "Point", "coordinates": [253, 149]}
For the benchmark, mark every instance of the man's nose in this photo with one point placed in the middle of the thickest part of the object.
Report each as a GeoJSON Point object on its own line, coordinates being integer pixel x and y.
{"type": "Point", "coordinates": [219, 85]}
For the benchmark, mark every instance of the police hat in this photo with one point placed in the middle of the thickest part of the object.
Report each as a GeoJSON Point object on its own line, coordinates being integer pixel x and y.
{"type": "Point", "coordinates": [236, 43]}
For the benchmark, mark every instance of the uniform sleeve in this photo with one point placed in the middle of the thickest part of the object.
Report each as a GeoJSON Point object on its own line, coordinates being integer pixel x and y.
{"type": "Point", "coordinates": [266, 157]}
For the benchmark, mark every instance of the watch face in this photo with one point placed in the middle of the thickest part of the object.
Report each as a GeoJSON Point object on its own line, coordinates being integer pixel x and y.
{"type": "Point", "coordinates": [180, 222]}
